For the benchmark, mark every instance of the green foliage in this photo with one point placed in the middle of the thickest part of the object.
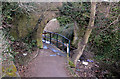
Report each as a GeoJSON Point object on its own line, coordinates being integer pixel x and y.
{"type": "Point", "coordinates": [64, 20]}
{"type": "Point", "coordinates": [11, 13]}
{"type": "Point", "coordinates": [11, 10]}
{"type": "Point", "coordinates": [71, 63]}
{"type": "Point", "coordinates": [105, 41]}
{"type": "Point", "coordinates": [70, 12]}
{"type": "Point", "coordinates": [67, 31]}
{"type": "Point", "coordinates": [107, 45]}
{"type": "Point", "coordinates": [77, 11]}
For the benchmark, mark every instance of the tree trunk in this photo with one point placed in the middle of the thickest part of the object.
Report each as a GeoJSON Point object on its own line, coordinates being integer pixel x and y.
{"type": "Point", "coordinates": [82, 44]}
{"type": "Point", "coordinates": [39, 37]}
{"type": "Point", "coordinates": [75, 33]}
{"type": "Point", "coordinates": [78, 33]}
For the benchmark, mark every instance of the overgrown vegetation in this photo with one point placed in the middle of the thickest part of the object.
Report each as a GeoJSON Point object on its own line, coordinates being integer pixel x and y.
{"type": "Point", "coordinates": [16, 47]}
{"type": "Point", "coordinates": [105, 39]}
{"type": "Point", "coordinates": [76, 12]}
{"type": "Point", "coordinates": [71, 13]}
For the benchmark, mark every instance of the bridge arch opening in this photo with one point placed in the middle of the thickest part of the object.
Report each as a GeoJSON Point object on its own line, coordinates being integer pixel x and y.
{"type": "Point", "coordinates": [51, 36]}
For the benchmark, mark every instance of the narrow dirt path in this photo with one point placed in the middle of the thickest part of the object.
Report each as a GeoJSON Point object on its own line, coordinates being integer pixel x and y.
{"type": "Point", "coordinates": [47, 64]}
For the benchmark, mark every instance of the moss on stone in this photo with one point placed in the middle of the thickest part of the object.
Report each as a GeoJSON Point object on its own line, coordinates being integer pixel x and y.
{"type": "Point", "coordinates": [24, 25]}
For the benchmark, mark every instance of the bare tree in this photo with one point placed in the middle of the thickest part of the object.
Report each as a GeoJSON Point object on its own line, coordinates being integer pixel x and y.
{"type": "Point", "coordinates": [82, 44]}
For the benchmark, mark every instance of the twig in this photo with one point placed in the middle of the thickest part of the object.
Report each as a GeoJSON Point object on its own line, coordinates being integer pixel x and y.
{"type": "Point", "coordinates": [33, 57]}
{"type": "Point", "coordinates": [111, 23]}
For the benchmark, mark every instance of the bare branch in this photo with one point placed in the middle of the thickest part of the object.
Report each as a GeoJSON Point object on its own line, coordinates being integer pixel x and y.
{"type": "Point", "coordinates": [115, 21]}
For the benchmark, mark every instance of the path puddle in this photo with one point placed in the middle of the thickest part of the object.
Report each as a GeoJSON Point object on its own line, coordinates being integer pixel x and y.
{"type": "Point", "coordinates": [54, 50]}
{"type": "Point", "coordinates": [45, 47]}
{"type": "Point", "coordinates": [48, 46]}
{"type": "Point", "coordinates": [53, 55]}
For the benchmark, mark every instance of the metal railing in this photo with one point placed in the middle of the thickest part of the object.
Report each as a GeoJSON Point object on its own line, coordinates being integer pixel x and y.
{"type": "Point", "coordinates": [59, 40]}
